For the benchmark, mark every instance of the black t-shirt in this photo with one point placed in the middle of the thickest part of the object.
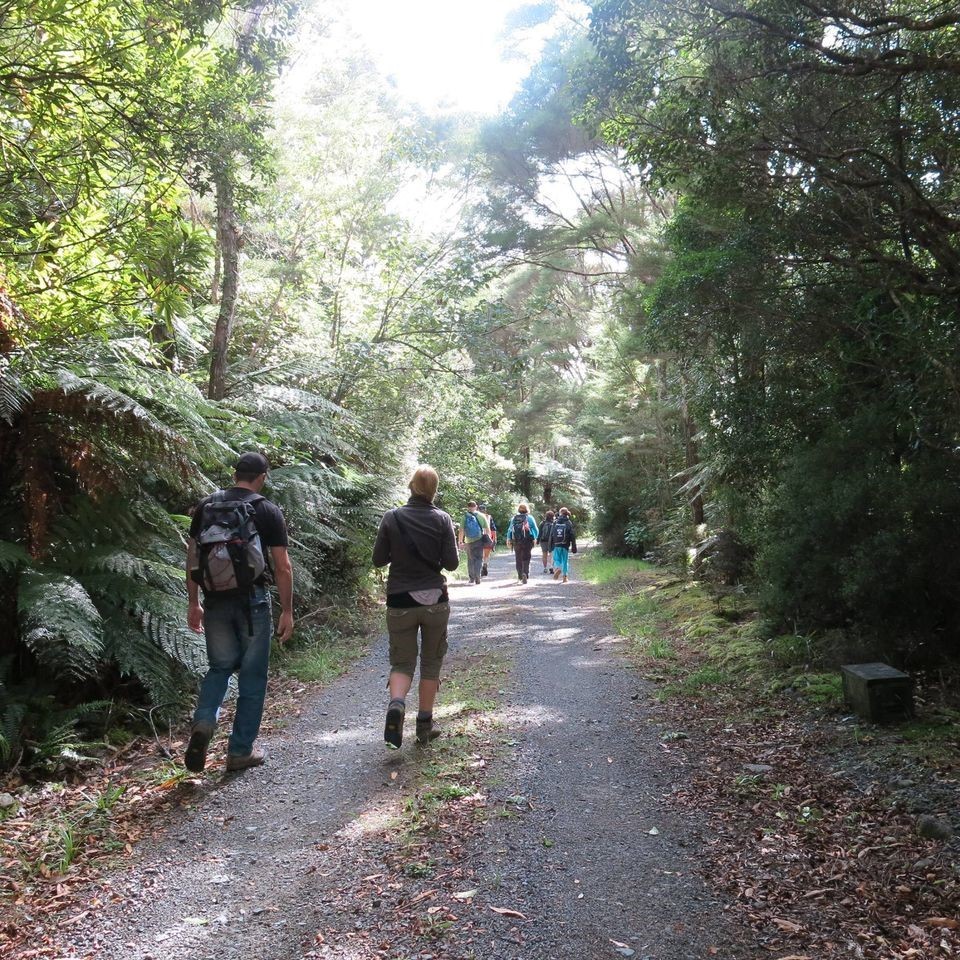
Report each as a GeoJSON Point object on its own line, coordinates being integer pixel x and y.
{"type": "Point", "coordinates": [268, 517]}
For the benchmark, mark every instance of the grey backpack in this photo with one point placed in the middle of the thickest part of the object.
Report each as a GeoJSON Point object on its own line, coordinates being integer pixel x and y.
{"type": "Point", "coordinates": [229, 557]}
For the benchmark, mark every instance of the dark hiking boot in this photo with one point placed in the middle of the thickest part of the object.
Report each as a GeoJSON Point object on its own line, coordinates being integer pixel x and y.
{"type": "Point", "coordinates": [427, 731]}
{"type": "Point", "coordinates": [393, 727]}
{"type": "Point", "coordinates": [195, 759]}
{"type": "Point", "coordinates": [242, 761]}
{"type": "Point", "coordinates": [484, 571]}
{"type": "Point", "coordinates": [524, 578]}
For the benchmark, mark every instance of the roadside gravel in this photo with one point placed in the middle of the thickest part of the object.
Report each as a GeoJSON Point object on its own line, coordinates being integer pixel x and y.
{"type": "Point", "coordinates": [582, 842]}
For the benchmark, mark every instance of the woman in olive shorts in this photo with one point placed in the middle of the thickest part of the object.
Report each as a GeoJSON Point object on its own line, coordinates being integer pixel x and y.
{"type": "Point", "coordinates": [418, 541]}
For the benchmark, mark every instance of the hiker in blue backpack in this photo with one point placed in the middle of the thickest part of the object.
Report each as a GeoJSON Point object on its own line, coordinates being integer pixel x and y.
{"type": "Point", "coordinates": [522, 533]}
{"type": "Point", "coordinates": [475, 528]}
{"type": "Point", "coordinates": [227, 558]}
{"type": "Point", "coordinates": [563, 542]}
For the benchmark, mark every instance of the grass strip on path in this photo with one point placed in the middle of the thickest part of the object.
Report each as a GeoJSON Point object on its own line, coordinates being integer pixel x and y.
{"type": "Point", "coordinates": [404, 878]}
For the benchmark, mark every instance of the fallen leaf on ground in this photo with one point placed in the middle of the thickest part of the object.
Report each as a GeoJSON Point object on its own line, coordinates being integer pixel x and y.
{"type": "Point", "coordinates": [946, 922]}
{"type": "Point", "coordinates": [507, 912]}
{"type": "Point", "coordinates": [465, 895]}
{"type": "Point", "coordinates": [787, 926]}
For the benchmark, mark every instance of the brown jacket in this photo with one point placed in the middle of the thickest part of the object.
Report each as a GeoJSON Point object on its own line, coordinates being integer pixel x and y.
{"type": "Point", "coordinates": [432, 531]}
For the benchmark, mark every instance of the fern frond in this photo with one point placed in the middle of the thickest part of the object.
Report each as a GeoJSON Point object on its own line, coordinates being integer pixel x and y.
{"type": "Point", "coordinates": [59, 623]}
{"type": "Point", "coordinates": [12, 555]}
{"type": "Point", "coordinates": [14, 393]}
{"type": "Point", "coordinates": [120, 565]}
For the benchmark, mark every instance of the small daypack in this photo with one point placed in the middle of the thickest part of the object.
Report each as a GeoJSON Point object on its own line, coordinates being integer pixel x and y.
{"type": "Point", "coordinates": [561, 533]}
{"type": "Point", "coordinates": [471, 526]}
{"type": "Point", "coordinates": [545, 531]}
{"type": "Point", "coordinates": [520, 528]}
{"type": "Point", "coordinates": [230, 556]}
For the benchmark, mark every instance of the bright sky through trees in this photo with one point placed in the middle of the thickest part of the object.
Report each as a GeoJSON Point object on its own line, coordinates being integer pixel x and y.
{"type": "Point", "coordinates": [450, 54]}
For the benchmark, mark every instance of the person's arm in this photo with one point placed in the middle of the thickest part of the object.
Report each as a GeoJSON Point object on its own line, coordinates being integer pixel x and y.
{"type": "Point", "coordinates": [449, 554]}
{"type": "Point", "coordinates": [381, 548]}
{"type": "Point", "coordinates": [283, 577]}
{"type": "Point", "coordinates": [533, 527]}
{"type": "Point", "coordinates": [573, 538]}
{"type": "Point", "coordinates": [194, 606]}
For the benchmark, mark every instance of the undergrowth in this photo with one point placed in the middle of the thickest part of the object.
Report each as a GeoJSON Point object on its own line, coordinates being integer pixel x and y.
{"type": "Point", "coordinates": [700, 642]}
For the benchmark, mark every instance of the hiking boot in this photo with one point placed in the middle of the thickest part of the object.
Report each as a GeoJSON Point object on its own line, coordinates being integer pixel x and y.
{"type": "Point", "coordinates": [556, 574]}
{"type": "Point", "coordinates": [393, 727]}
{"type": "Point", "coordinates": [564, 578]}
{"type": "Point", "coordinates": [483, 571]}
{"type": "Point", "coordinates": [195, 758]}
{"type": "Point", "coordinates": [426, 731]}
{"type": "Point", "coordinates": [524, 578]}
{"type": "Point", "coordinates": [241, 761]}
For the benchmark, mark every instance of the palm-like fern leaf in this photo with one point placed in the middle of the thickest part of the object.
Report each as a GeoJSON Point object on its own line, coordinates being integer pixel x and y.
{"type": "Point", "coordinates": [12, 555]}
{"type": "Point", "coordinates": [60, 623]}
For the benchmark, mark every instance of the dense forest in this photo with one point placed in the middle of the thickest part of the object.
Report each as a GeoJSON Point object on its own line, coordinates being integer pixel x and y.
{"type": "Point", "coordinates": [699, 282]}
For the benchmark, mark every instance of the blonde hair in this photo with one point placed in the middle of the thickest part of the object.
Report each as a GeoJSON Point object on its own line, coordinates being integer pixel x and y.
{"type": "Point", "coordinates": [424, 482]}
{"type": "Point", "coordinates": [522, 507]}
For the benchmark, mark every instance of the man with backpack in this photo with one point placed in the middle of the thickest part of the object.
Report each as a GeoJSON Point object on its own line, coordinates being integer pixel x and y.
{"type": "Point", "coordinates": [475, 528]}
{"type": "Point", "coordinates": [237, 537]}
{"type": "Point", "coordinates": [522, 533]}
{"type": "Point", "coordinates": [563, 542]}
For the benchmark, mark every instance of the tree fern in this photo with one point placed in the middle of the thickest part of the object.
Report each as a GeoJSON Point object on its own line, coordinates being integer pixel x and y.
{"type": "Point", "coordinates": [14, 393]}
{"type": "Point", "coordinates": [60, 623]}
{"type": "Point", "coordinates": [12, 555]}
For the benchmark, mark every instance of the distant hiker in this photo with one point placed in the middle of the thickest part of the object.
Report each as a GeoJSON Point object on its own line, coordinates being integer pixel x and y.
{"type": "Point", "coordinates": [563, 542]}
{"type": "Point", "coordinates": [543, 538]}
{"type": "Point", "coordinates": [418, 541]}
{"type": "Point", "coordinates": [227, 558]}
{"type": "Point", "coordinates": [475, 527]}
{"type": "Point", "coordinates": [522, 533]}
{"type": "Point", "coordinates": [490, 541]}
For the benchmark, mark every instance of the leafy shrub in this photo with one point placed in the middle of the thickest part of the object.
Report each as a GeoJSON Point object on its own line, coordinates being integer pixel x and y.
{"type": "Point", "coordinates": [861, 536]}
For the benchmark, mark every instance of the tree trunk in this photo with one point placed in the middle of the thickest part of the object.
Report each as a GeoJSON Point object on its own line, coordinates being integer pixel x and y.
{"type": "Point", "coordinates": [228, 241]}
{"type": "Point", "coordinates": [215, 283]}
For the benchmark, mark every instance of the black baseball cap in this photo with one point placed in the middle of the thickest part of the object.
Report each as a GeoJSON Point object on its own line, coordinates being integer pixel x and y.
{"type": "Point", "coordinates": [252, 463]}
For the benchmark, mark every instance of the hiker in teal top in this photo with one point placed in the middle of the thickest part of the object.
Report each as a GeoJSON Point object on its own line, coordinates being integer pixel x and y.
{"type": "Point", "coordinates": [475, 528]}
{"type": "Point", "coordinates": [563, 540]}
{"type": "Point", "coordinates": [522, 533]}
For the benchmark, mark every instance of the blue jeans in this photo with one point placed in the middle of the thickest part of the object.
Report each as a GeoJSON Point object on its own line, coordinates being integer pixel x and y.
{"type": "Point", "coordinates": [233, 648]}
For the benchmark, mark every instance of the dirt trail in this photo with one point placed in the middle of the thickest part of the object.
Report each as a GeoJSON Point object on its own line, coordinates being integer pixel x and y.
{"type": "Point", "coordinates": [595, 860]}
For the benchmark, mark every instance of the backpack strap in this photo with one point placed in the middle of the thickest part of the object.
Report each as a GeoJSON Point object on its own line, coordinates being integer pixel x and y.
{"type": "Point", "coordinates": [411, 546]}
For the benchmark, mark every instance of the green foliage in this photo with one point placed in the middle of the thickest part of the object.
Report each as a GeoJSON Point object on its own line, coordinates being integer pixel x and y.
{"type": "Point", "coordinates": [862, 540]}
{"type": "Point", "coordinates": [807, 306]}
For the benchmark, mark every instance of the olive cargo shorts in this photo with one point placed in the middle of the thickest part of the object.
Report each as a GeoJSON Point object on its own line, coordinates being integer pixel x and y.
{"type": "Point", "coordinates": [403, 624]}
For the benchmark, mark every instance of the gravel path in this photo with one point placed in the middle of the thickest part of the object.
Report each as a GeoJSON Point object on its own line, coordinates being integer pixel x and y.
{"type": "Point", "coordinates": [594, 859]}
